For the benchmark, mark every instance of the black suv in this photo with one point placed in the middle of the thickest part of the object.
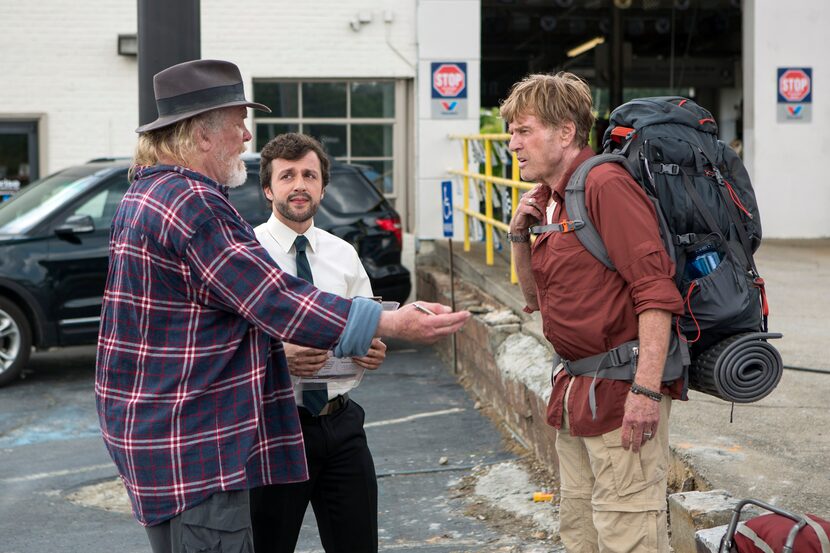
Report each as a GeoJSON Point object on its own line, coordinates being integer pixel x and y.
{"type": "Point", "coordinates": [54, 246]}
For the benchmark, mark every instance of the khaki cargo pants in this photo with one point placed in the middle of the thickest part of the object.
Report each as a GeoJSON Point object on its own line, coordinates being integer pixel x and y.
{"type": "Point", "coordinates": [613, 500]}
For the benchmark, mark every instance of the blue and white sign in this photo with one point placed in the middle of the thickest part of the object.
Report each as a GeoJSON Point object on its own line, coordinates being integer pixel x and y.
{"type": "Point", "coordinates": [446, 207]}
{"type": "Point", "coordinates": [795, 94]}
{"type": "Point", "coordinates": [449, 90]}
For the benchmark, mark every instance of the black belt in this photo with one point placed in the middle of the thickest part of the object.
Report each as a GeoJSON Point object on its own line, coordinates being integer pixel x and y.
{"type": "Point", "coordinates": [333, 406]}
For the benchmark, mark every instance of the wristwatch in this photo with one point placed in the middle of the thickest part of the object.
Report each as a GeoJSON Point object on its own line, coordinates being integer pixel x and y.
{"type": "Point", "coordinates": [518, 237]}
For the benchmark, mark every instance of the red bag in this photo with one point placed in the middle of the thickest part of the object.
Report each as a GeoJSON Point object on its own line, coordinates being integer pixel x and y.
{"type": "Point", "coordinates": [770, 533]}
{"type": "Point", "coordinates": [782, 532]}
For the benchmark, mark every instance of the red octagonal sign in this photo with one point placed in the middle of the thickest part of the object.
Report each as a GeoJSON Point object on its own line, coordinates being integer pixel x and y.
{"type": "Point", "coordinates": [448, 80]}
{"type": "Point", "coordinates": [794, 85]}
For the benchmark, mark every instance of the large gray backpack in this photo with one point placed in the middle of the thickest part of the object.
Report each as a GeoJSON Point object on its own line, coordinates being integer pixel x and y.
{"type": "Point", "coordinates": [710, 226]}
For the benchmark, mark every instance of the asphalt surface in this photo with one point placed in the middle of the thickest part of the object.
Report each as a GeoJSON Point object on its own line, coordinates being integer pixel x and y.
{"type": "Point", "coordinates": [416, 414]}
{"type": "Point", "coordinates": [50, 447]}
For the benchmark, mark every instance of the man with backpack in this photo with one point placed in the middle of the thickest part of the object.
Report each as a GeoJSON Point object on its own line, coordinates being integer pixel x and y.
{"type": "Point", "coordinates": [612, 432]}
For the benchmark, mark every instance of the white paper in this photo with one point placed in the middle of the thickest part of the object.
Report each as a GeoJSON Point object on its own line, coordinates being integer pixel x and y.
{"type": "Point", "coordinates": [342, 371]}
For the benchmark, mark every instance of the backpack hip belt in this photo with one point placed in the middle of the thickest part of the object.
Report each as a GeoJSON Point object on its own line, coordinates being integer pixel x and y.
{"type": "Point", "coordinates": [620, 363]}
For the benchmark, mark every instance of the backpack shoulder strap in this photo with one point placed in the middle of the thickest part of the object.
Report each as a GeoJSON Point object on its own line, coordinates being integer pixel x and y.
{"type": "Point", "coordinates": [577, 211]}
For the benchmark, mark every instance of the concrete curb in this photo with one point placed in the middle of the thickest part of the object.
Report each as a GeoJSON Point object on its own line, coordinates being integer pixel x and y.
{"type": "Point", "coordinates": [699, 519]}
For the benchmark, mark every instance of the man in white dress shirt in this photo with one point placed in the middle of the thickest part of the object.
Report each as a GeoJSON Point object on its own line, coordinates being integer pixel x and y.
{"type": "Point", "coordinates": [342, 485]}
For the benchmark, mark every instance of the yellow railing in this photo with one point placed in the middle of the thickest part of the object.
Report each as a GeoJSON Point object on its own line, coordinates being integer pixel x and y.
{"type": "Point", "coordinates": [489, 181]}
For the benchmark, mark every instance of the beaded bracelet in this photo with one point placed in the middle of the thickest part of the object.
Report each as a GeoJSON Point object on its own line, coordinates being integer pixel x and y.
{"type": "Point", "coordinates": [642, 390]}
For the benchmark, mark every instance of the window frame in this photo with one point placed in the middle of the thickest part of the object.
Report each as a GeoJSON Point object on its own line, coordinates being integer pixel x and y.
{"type": "Point", "coordinates": [397, 122]}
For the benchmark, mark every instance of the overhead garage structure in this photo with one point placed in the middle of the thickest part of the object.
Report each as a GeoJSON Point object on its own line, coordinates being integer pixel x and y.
{"type": "Point", "coordinates": [622, 48]}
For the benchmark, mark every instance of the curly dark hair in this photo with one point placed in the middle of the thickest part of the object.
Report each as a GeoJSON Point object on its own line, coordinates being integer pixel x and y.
{"type": "Point", "coordinates": [291, 146]}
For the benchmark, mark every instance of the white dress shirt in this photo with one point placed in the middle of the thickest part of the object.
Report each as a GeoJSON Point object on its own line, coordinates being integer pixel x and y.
{"type": "Point", "coordinates": [334, 263]}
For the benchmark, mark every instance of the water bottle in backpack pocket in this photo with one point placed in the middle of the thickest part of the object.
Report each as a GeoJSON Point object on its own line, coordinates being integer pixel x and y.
{"type": "Point", "coordinates": [702, 261]}
{"type": "Point", "coordinates": [716, 289]}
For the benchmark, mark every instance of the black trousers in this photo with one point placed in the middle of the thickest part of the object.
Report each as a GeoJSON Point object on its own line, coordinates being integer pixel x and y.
{"type": "Point", "coordinates": [342, 489]}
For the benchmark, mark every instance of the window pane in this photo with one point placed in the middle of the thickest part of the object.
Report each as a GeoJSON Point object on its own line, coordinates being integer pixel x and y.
{"type": "Point", "coordinates": [267, 131]}
{"type": "Point", "coordinates": [101, 207]}
{"type": "Point", "coordinates": [373, 99]}
{"type": "Point", "coordinates": [333, 137]}
{"type": "Point", "coordinates": [14, 161]}
{"type": "Point", "coordinates": [324, 99]}
{"type": "Point", "coordinates": [372, 140]}
{"type": "Point", "coordinates": [280, 97]}
{"type": "Point", "coordinates": [379, 172]}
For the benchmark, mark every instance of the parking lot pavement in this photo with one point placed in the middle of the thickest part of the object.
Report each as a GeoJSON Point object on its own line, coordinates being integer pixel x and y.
{"type": "Point", "coordinates": [416, 414]}
{"type": "Point", "coordinates": [49, 448]}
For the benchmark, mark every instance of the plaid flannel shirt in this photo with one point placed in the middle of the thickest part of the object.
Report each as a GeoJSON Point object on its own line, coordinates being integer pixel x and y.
{"type": "Point", "coordinates": [188, 400]}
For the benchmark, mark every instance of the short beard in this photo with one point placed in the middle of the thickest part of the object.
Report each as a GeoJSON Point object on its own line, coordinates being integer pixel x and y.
{"type": "Point", "coordinates": [284, 209]}
{"type": "Point", "coordinates": [237, 176]}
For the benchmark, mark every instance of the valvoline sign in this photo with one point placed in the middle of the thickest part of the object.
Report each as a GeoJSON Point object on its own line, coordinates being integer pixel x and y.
{"type": "Point", "coordinates": [795, 84]}
{"type": "Point", "coordinates": [449, 79]}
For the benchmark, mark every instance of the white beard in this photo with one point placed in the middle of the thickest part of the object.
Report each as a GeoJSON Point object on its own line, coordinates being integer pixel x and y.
{"type": "Point", "coordinates": [237, 175]}
{"type": "Point", "coordinates": [233, 168]}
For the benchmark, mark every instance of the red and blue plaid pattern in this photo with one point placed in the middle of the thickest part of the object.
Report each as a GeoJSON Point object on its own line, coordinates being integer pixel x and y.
{"type": "Point", "coordinates": [189, 400]}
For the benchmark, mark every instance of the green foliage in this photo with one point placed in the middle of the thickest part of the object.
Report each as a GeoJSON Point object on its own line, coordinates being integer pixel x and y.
{"type": "Point", "coordinates": [490, 121]}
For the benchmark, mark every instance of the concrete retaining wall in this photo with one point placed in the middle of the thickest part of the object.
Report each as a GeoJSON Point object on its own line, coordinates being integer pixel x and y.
{"type": "Point", "coordinates": [488, 363]}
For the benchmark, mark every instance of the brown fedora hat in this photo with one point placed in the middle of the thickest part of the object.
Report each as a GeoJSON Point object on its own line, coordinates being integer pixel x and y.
{"type": "Point", "coordinates": [194, 87]}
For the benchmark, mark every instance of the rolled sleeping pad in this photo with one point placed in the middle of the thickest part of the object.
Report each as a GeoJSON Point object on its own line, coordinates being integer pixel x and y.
{"type": "Point", "coordinates": [742, 369]}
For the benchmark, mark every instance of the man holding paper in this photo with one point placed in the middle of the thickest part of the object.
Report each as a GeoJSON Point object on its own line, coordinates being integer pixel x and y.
{"type": "Point", "coordinates": [342, 486]}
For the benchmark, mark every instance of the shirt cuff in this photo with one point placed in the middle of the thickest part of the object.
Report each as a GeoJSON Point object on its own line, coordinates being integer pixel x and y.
{"type": "Point", "coordinates": [656, 293]}
{"type": "Point", "coordinates": [356, 339]}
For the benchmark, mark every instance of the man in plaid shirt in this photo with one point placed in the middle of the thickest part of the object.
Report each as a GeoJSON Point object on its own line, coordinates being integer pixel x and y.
{"type": "Point", "coordinates": [193, 409]}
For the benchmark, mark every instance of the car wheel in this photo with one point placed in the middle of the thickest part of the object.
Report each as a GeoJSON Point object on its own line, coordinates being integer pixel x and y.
{"type": "Point", "coordinates": [15, 341]}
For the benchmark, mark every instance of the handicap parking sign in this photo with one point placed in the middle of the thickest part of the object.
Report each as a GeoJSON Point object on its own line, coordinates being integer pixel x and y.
{"type": "Point", "coordinates": [446, 207]}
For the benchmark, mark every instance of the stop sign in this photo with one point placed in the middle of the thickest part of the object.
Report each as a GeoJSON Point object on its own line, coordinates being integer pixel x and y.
{"type": "Point", "coordinates": [448, 80]}
{"type": "Point", "coordinates": [794, 85]}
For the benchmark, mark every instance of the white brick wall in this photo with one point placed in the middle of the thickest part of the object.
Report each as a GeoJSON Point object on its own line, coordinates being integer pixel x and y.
{"type": "Point", "coordinates": [60, 59]}
{"type": "Point", "coordinates": [287, 38]}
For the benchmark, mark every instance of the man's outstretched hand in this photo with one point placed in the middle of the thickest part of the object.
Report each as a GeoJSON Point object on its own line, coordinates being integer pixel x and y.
{"type": "Point", "coordinates": [412, 324]}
